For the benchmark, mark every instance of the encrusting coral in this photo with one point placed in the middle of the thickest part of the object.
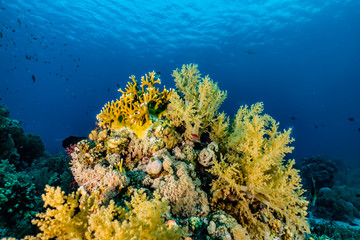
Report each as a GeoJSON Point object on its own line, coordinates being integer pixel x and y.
{"type": "Point", "coordinates": [168, 165]}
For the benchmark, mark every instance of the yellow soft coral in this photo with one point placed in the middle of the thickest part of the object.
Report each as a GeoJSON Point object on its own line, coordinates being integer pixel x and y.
{"type": "Point", "coordinates": [66, 216]}
{"type": "Point", "coordinates": [198, 106]}
{"type": "Point", "coordinates": [253, 175]}
{"type": "Point", "coordinates": [78, 216]}
{"type": "Point", "coordinates": [137, 106]}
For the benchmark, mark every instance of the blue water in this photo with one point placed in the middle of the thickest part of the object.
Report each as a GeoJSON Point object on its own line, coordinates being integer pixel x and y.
{"type": "Point", "coordinates": [301, 58]}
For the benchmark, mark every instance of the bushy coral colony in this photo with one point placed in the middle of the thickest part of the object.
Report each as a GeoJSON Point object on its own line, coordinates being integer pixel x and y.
{"type": "Point", "coordinates": [168, 165]}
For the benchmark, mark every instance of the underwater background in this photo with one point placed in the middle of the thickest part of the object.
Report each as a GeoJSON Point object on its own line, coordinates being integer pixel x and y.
{"type": "Point", "coordinates": [61, 61]}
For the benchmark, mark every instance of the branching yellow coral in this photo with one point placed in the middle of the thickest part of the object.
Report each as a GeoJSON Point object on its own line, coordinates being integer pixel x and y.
{"type": "Point", "coordinates": [254, 175]}
{"type": "Point", "coordinates": [136, 107]}
{"type": "Point", "coordinates": [200, 102]}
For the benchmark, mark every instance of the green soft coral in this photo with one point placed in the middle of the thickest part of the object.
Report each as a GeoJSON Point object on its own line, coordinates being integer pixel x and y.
{"type": "Point", "coordinates": [253, 175]}
{"type": "Point", "coordinates": [196, 102]}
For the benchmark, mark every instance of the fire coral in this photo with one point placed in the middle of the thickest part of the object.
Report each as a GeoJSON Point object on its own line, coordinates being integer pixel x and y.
{"type": "Point", "coordinates": [136, 107]}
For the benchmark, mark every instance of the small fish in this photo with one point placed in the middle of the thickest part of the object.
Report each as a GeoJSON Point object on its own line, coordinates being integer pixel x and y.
{"type": "Point", "coordinates": [351, 119]}
{"type": "Point", "coordinates": [1, 35]}
{"type": "Point", "coordinates": [27, 57]}
{"type": "Point", "coordinates": [293, 118]}
{"type": "Point", "coordinates": [316, 126]}
{"type": "Point", "coordinates": [33, 78]}
{"type": "Point", "coordinates": [357, 195]}
{"type": "Point", "coordinates": [250, 51]}
{"type": "Point", "coordinates": [108, 89]}
{"type": "Point", "coordinates": [19, 22]}
{"type": "Point", "coordinates": [157, 75]}
{"type": "Point", "coordinates": [195, 138]}
{"type": "Point", "coordinates": [359, 129]}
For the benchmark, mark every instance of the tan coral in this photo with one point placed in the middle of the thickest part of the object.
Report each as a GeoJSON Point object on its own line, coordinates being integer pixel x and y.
{"type": "Point", "coordinates": [104, 179]}
{"type": "Point", "coordinates": [181, 187]}
{"type": "Point", "coordinates": [208, 154]}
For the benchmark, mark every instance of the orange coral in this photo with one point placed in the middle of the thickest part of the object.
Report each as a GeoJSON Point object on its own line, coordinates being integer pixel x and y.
{"type": "Point", "coordinates": [137, 106]}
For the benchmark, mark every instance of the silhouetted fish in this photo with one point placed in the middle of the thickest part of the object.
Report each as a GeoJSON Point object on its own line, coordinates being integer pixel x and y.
{"type": "Point", "coordinates": [19, 22]}
{"type": "Point", "coordinates": [27, 57]}
{"type": "Point", "coordinates": [293, 118]}
{"type": "Point", "coordinates": [351, 119]}
{"type": "Point", "coordinates": [1, 35]}
{"type": "Point", "coordinates": [71, 140]}
{"type": "Point", "coordinates": [250, 51]}
{"type": "Point", "coordinates": [316, 126]}
{"type": "Point", "coordinates": [33, 78]}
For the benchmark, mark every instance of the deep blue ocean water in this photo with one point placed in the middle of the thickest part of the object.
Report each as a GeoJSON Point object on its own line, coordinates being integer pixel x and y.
{"type": "Point", "coordinates": [61, 61]}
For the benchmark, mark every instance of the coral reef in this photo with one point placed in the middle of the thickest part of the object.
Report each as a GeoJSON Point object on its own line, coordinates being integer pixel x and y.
{"type": "Point", "coordinates": [159, 170]}
{"type": "Point", "coordinates": [24, 171]}
{"type": "Point", "coordinates": [332, 189]}
{"type": "Point", "coordinates": [20, 148]}
{"type": "Point", "coordinates": [18, 201]}
{"type": "Point", "coordinates": [334, 204]}
{"type": "Point", "coordinates": [317, 172]}
{"type": "Point", "coordinates": [329, 230]}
